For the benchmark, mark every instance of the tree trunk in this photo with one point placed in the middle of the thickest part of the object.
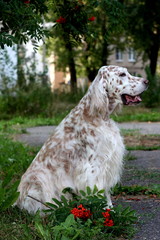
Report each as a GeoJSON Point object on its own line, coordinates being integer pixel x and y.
{"type": "Point", "coordinates": [153, 52]}
{"type": "Point", "coordinates": [153, 29]}
{"type": "Point", "coordinates": [92, 72]}
{"type": "Point", "coordinates": [21, 82]}
{"type": "Point", "coordinates": [72, 67]}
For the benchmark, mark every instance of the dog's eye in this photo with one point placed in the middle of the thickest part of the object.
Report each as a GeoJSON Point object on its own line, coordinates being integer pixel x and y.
{"type": "Point", "coordinates": [122, 74]}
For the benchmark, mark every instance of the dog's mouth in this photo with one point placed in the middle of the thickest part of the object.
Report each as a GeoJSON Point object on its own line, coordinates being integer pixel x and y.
{"type": "Point", "coordinates": [130, 100]}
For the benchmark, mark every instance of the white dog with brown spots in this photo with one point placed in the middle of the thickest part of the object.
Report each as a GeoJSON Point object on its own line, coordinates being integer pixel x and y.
{"type": "Point", "coordinates": [86, 148]}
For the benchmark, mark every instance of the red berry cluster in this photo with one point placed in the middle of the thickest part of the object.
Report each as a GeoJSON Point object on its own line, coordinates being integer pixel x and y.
{"type": "Point", "coordinates": [108, 222]}
{"type": "Point", "coordinates": [91, 19]}
{"type": "Point", "coordinates": [61, 20]}
{"type": "Point", "coordinates": [26, 2]}
{"type": "Point", "coordinates": [81, 212]}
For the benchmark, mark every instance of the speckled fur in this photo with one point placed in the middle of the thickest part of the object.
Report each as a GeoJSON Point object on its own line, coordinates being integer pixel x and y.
{"type": "Point", "coordinates": [86, 148]}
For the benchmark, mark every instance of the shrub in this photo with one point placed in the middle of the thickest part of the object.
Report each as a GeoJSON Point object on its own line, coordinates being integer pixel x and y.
{"type": "Point", "coordinates": [86, 216]}
{"type": "Point", "coordinates": [37, 101]}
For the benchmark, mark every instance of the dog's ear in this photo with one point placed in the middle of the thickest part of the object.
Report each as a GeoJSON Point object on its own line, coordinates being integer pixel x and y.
{"type": "Point", "coordinates": [99, 93]}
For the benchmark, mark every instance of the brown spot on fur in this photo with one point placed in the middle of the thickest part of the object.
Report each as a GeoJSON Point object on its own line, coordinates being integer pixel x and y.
{"type": "Point", "coordinates": [68, 129]}
{"type": "Point", "coordinates": [91, 145]}
{"type": "Point", "coordinates": [83, 131]}
{"type": "Point", "coordinates": [50, 167]}
{"type": "Point", "coordinates": [66, 166]}
{"type": "Point", "coordinates": [86, 115]}
{"type": "Point", "coordinates": [33, 178]}
{"type": "Point", "coordinates": [92, 133]}
{"type": "Point", "coordinates": [104, 76]}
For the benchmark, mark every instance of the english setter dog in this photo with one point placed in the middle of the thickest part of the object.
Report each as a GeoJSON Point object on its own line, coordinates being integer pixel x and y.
{"type": "Point", "coordinates": [86, 148]}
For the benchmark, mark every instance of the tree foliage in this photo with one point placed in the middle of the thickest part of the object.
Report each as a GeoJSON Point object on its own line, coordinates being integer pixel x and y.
{"type": "Point", "coordinates": [21, 20]}
{"type": "Point", "coordinates": [89, 23]}
{"type": "Point", "coordinates": [144, 27]}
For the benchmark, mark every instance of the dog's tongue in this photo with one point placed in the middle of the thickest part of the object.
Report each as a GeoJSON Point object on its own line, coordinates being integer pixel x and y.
{"type": "Point", "coordinates": [131, 99]}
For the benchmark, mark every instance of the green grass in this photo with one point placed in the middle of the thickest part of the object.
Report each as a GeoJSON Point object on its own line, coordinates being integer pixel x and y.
{"type": "Point", "coordinates": [153, 189]}
{"type": "Point", "coordinates": [130, 132]}
{"type": "Point", "coordinates": [145, 177]}
{"type": "Point", "coordinates": [14, 160]}
{"type": "Point", "coordinates": [15, 156]}
{"type": "Point", "coordinates": [129, 157]}
{"type": "Point", "coordinates": [138, 114]}
{"type": "Point", "coordinates": [19, 124]}
{"type": "Point", "coordinates": [16, 124]}
{"type": "Point", "coordinates": [143, 148]}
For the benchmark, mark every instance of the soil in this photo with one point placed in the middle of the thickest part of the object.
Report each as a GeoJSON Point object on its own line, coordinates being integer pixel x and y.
{"type": "Point", "coordinates": [147, 141]}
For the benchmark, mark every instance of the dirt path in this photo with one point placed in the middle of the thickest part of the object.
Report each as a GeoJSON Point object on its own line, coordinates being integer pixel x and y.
{"type": "Point", "coordinates": [36, 136]}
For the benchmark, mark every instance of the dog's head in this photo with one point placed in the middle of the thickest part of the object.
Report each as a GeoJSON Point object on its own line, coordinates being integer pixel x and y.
{"type": "Point", "coordinates": [115, 86]}
{"type": "Point", "coordinates": [122, 86]}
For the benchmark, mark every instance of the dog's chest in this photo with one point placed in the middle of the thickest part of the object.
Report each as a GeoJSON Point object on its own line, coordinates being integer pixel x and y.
{"type": "Point", "coordinates": [106, 139]}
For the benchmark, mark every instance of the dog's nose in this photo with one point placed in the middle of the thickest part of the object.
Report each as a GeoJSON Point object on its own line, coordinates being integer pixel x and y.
{"type": "Point", "coordinates": [146, 81]}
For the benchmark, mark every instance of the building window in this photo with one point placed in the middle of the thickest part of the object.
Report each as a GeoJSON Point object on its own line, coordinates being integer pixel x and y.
{"type": "Point", "coordinates": [131, 55]}
{"type": "Point", "coordinates": [119, 55]}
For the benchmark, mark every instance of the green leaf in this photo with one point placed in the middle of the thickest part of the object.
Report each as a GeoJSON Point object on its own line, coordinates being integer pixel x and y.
{"type": "Point", "coordinates": [126, 211]}
{"type": "Point", "coordinates": [82, 193]}
{"type": "Point", "coordinates": [88, 190]}
{"type": "Point", "coordinates": [70, 221]}
{"type": "Point", "coordinates": [67, 190]}
{"type": "Point", "coordinates": [95, 189]}
{"type": "Point", "coordinates": [57, 202]}
{"type": "Point", "coordinates": [52, 205]}
{"type": "Point", "coordinates": [101, 191]}
{"type": "Point", "coordinates": [64, 200]}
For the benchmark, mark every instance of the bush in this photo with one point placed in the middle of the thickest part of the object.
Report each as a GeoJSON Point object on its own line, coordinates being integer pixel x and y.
{"type": "Point", "coordinates": [86, 217]}
{"type": "Point", "coordinates": [37, 101]}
